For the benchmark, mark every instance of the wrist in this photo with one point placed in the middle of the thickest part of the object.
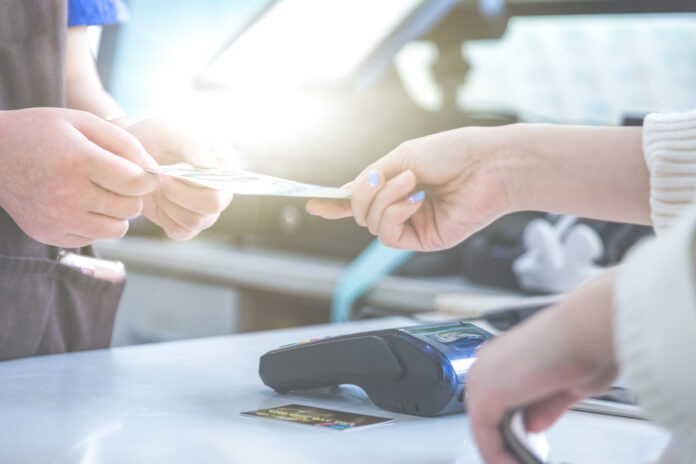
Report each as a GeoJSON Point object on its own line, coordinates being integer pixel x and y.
{"type": "Point", "coordinates": [526, 165]}
{"type": "Point", "coordinates": [508, 157]}
{"type": "Point", "coordinates": [588, 315]}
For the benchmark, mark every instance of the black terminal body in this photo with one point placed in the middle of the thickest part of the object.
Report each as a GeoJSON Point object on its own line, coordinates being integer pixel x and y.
{"type": "Point", "coordinates": [418, 370]}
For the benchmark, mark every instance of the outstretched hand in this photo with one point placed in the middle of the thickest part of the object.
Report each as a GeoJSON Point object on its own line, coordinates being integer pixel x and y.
{"type": "Point", "coordinates": [429, 193]}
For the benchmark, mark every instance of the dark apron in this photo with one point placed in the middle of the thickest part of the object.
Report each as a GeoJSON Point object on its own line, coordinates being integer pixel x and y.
{"type": "Point", "coordinates": [45, 307]}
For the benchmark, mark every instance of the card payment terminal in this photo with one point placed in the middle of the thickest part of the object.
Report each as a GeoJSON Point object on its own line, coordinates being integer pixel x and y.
{"type": "Point", "coordinates": [419, 370]}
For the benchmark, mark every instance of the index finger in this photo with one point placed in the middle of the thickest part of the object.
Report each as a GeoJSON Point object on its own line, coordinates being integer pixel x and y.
{"type": "Point", "coordinates": [391, 164]}
{"type": "Point", "coordinates": [385, 168]}
{"type": "Point", "coordinates": [113, 139]}
{"type": "Point", "coordinates": [118, 175]}
{"type": "Point", "coordinates": [329, 209]}
{"type": "Point", "coordinates": [485, 417]}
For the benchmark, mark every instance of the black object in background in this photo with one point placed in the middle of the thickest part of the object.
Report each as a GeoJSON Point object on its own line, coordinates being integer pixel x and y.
{"type": "Point", "coordinates": [487, 257]}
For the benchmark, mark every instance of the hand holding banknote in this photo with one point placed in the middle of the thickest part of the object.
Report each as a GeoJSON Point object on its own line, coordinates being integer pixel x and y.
{"type": "Point", "coordinates": [183, 209]}
{"type": "Point", "coordinates": [429, 193]}
{"type": "Point", "coordinates": [69, 178]}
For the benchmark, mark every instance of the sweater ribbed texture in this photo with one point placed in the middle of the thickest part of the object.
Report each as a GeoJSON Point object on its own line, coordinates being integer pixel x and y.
{"type": "Point", "coordinates": [669, 147]}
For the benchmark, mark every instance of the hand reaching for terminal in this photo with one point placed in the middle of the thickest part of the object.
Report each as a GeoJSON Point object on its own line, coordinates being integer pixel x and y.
{"type": "Point", "coordinates": [69, 178]}
{"type": "Point", "coordinates": [561, 355]}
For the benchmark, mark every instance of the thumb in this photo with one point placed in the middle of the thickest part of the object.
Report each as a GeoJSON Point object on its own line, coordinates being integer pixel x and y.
{"type": "Point", "coordinates": [542, 414]}
{"type": "Point", "coordinates": [115, 140]}
{"type": "Point", "coordinates": [183, 145]}
{"type": "Point", "coordinates": [390, 165]}
{"type": "Point", "coordinates": [194, 148]}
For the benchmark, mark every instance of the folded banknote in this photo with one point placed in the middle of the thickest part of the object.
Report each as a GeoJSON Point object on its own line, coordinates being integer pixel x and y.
{"type": "Point", "coordinates": [248, 183]}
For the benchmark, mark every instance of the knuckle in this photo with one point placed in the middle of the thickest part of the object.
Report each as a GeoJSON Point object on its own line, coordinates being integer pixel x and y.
{"type": "Point", "coordinates": [192, 221]}
{"type": "Point", "coordinates": [88, 117]}
{"type": "Point", "coordinates": [387, 240]}
{"type": "Point", "coordinates": [209, 220]}
{"type": "Point", "coordinates": [389, 235]}
{"type": "Point", "coordinates": [136, 208]}
{"type": "Point", "coordinates": [129, 141]}
{"type": "Point", "coordinates": [405, 147]}
{"type": "Point", "coordinates": [358, 213]}
{"type": "Point", "coordinates": [82, 243]}
{"type": "Point", "coordinates": [145, 183]}
{"type": "Point", "coordinates": [215, 203]}
{"type": "Point", "coordinates": [390, 215]}
{"type": "Point", "coordinates": [175, 231]}
{"type": "Point", "coordinates": [126, 208]}
{"type": "Point", "coordinates": [132, 142]}
{"type": "Point", "coordinates": [121, 229]}
{"type": "Point", "coordinates": [180, 234]}
{"type": "Point", "coordinates": [431, 243]}
{"type": "Point", "coordinates": [373, 225]}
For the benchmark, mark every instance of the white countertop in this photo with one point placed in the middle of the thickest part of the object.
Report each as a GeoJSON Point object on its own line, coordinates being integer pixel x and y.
{"type": "Point", "coordinates": [180, 402]}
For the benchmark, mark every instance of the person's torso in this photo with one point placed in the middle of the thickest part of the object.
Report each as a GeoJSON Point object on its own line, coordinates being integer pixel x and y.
{"type": "Point", "coordinates": [32, 53]}
{"type": "Point", "coordinates": [45, 307]}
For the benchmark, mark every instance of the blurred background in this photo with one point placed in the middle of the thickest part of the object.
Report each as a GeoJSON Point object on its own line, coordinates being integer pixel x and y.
{"type": "Point", "coordinates": [315, 90]}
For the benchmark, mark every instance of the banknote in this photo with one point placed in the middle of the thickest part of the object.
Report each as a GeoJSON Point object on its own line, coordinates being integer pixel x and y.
{"type": "Point", "coordinates": [248, 183]}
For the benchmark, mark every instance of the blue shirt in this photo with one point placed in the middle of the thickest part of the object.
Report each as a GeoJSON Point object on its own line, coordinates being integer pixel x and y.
{"type": "Point", "coordinates": [96, 12]}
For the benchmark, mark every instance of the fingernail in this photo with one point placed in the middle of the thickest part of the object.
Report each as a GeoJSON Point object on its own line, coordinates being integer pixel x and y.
{"type": "Point", "coordinates": [373, 178]}
{"type": "Point", "coordinates": [310, 211]}
{"type": "Point", "coordinates": [416, 197]}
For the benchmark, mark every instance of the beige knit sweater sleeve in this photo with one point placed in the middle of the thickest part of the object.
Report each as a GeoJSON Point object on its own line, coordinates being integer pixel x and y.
{"type": "Point", "coordinates": [655, 295]}
{"type": "Point", "coordinates": [669, 147]}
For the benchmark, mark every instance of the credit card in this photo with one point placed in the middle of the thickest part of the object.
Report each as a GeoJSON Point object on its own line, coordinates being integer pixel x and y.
{"type": "Point", "coordinates": [319, 417]}
{"type": "Point", "coordinates": [248, 183]}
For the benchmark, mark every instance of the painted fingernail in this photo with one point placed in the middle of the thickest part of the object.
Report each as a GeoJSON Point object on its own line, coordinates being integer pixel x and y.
{"type": "Point", "coordinates": [416, 197]}
{"type": "Point", "coordinates": [373, 178]}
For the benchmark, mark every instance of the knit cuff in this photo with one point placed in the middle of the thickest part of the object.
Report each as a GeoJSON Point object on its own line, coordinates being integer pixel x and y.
{"type": "Point", "coordinates": [655, 327]}
{"type": "Point", "coordinates": [669, 147]}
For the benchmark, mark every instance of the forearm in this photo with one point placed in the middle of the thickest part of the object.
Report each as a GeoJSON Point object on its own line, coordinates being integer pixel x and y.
{"type": "Point", "coordinates": [86, 95]}
{"type": "Point", "coordinates": [596, 172]}
{"type": "Point", "coordinates": [84, 90]}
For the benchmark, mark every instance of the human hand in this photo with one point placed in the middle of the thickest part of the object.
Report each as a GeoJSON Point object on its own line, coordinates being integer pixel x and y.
{"type": "Point", "coordinates": [182, 209]}
{"type": "Point", "coordinates": [429, 193]}
{"type": "Point", "coordinates": [544, 365]}
{"type": "Point", "coordinates": [69, 178]}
